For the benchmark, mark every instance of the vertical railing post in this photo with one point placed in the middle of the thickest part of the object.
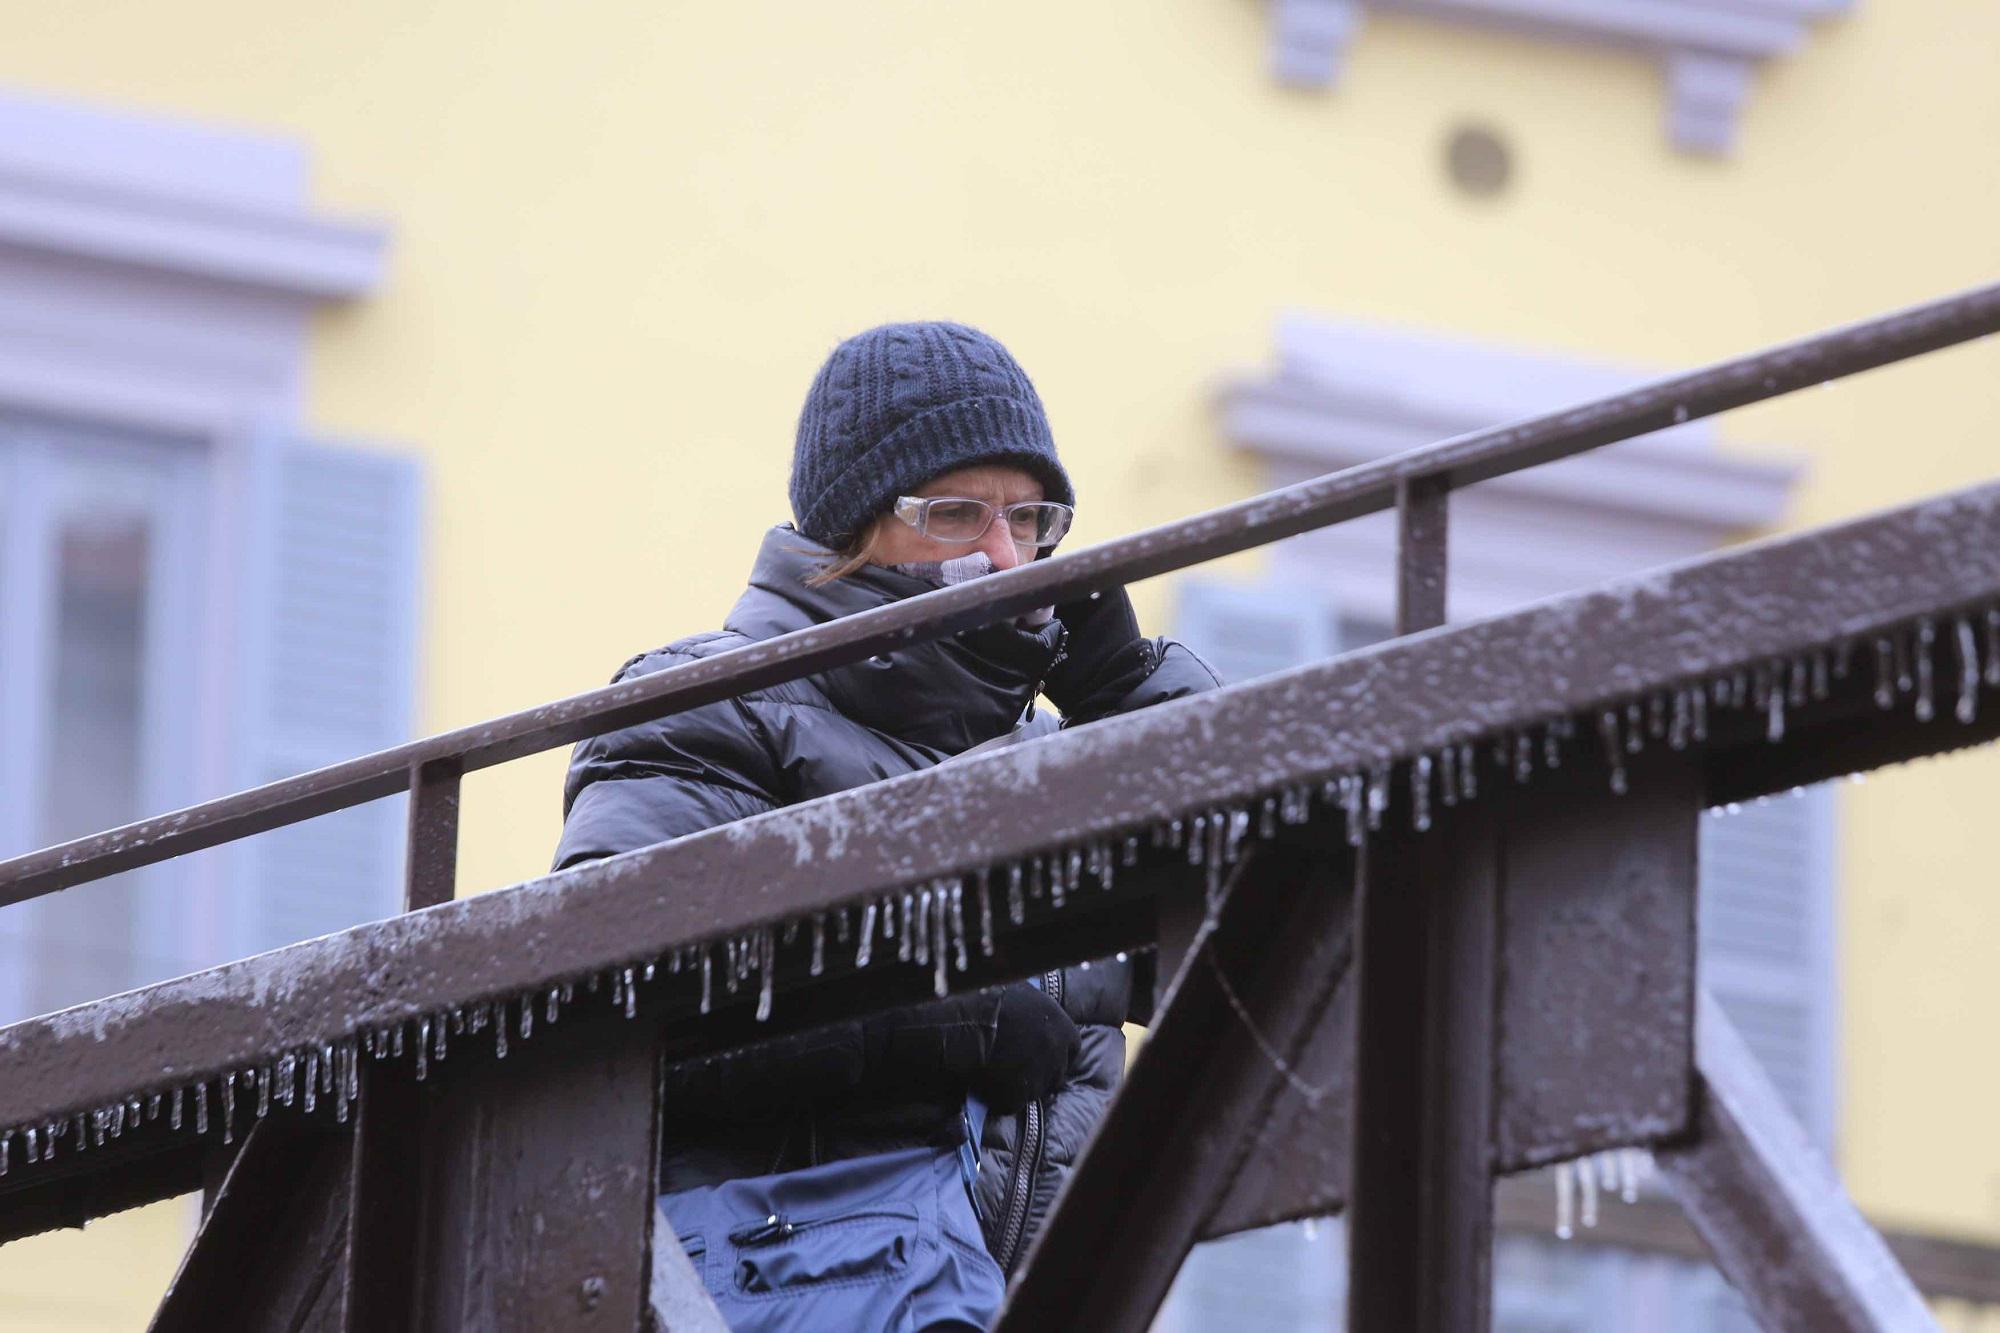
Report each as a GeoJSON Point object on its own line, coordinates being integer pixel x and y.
{"type": "Point", "coordinates": [430, 870]}
{"type": "Point", "coordinates": [1420, 1212]}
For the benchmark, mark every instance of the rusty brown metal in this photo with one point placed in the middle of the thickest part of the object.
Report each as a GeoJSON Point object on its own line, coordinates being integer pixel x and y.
{"type": "Point", "coordinates": [1563, 659]}
{"type": "Point", "coordinates": [1369, 488]}
{"type": "Point", "coordinates": [1420, 1179]}
{"type": "Point", "coordinates": [1256, 982]}
{"type": "Point", "coordinates": [1773, 1213]}
{"type": "Point", "coordinates": [1595, 999]}
{"type": "Point", "coordinates": [430, 871]}
{"type": "Point", "coordinates": [271, 1251]}
{"type": "Point", "coordinates": [537, 1186]}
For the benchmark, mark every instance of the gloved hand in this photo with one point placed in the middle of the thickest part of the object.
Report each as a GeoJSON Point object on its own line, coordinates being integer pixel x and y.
{"type": "Point", "coordinates": [1104, 657]}
{"type": "Point", "coordinates": [1008, 1044]}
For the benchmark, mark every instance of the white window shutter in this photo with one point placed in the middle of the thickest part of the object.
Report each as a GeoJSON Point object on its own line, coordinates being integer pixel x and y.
{"type": "Point", "coordinates": [1250, 630]}
{"type": "Point", "coordinates": [328, 618]}
{"type": "Point", "coordinates": [1767, 942]}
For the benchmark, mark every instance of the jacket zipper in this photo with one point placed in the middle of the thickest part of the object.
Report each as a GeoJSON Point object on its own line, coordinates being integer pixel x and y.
{"type": "Point", "coordinates": [1029, 1149]}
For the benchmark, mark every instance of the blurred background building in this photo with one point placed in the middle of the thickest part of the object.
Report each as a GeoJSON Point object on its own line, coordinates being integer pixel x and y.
{"type": "Point", "coordinates": [372, 369]}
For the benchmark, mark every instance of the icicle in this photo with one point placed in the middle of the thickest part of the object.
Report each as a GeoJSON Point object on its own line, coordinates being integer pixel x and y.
{"type": "Point", "coordinates": [1904, 681]}
{"type": "Point", "coordinates": [1614, 753]}
{"type": "Point", "coordinates": [1607, 1170]}
{"type": "Point", "coordinates": [200, 1108]}
{"type": "Point", "coordinates": [646, 974]}
{"type": "Point", "coordinates": [1267, 819]}
{"type": "Point", "coordinates": [1587, 1179]}
{"type": "Point", "coordinates": [957, 900]}
{"type": "Point", "coordinates": [1795, 688]}
{"type": "Point", "coordinates": [1350, 800]}
{"type": "Point", "coordinates": [1968, 672]}
{"type": "Point", "coordinates": [1468, 774]}
{"type": "Point", "coordinates": [528, 1012]}
{"type": "Point", "coordinates": [552, 1004]}
{"type": "Point", "coordinates": [438, 1035]}
{"type": "Point", "coordinates": [1926, 637]}
{"type": "Point", "coordinates": [1239, 829]}
{"type": "Point", "coordinates": [500, 1032]}
{"type": "Point", "coordinates": [1820, 688]}
{"type": "Point", "coordinates": [34, 1139]}
{"type": "Point", "coordinates": [1062, 869]}
{"type": "Point", "coordinates": [153, 1103]}
{"type": "Point", "coordinates": [1378, 795]}
{"type": "Point", "coordinates": [1447, 767]}
{"type": "Point", "coordinates": [1106, 869]}
{"type": "Point", "coordinates": [1130, 855]}
{"type": "Point", "coordinates": [767, 964]}
{"type": "Point", "coordinates": [6, 1142]}
{"type": "Point", "coordinates": [906, 942]}
{"type": "Point", "coordinates": [1016, 904]}
{"type": "Point", "coordinates": [423, 1053]}
{"type": "Point", "coordinates": [1698, 714]}
{"type": "Point", "coordinates": [1420, 794]}
{"type": "Point", "coordinates": [1635, 736]}
{"type": "Point", "coordinates": [940, 958]}
{"type": "Point", "coordinates": [1885, 676]}
{"type": "Point", "coordinates": [1677, 729]}
{"type": "Point", "coordinates": [862, 954]}
{"type": "Point", "coordinates": [1524, 757]}
{"type": "Point", "coordinates": [1217, 880]}
{"type": "Point", "coordinates": [1774, 715]}
{"type": "Point", "coordinates": [985, 890]}
{"type": "Point", "coordinates": [1552, 755]}
{"type": "Point", "coordinates": [228, 1108]}
{"type": "Point", "coordinates": [1565, 1201]}
{"type": "Point", "coordinates": [818, 964]}
{"type": "Point", "coordinates": [1074, 864]}
{"type": "Point", "coordinates": [708, 975]}
{"type": "Point", "coordinates": [1197, 843]}
{"type": "Point", "coordinates": [1993, 646]}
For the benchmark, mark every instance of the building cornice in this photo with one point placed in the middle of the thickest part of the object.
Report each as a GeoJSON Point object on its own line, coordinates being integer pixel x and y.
{"type": "Point", "coordinates": [1709, 49]}
{"type": "Point", "coordinates": [269, 246]}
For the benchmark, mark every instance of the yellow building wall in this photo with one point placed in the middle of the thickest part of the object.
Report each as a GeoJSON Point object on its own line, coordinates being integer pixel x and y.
{"type": "Point", "coordinates": [627, 233]}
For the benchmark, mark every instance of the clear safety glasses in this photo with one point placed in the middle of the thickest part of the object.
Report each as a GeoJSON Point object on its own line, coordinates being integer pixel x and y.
{"type": "Point", "coordinates": [951, 519]}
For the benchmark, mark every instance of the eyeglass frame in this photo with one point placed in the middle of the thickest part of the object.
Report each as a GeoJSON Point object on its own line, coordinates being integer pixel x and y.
{"type": "Point", "coordinates": [915, 511]}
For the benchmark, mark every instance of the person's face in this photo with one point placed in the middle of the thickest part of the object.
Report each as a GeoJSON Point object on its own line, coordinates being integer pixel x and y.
{"type": "Point", "coordinates": [996, 484]}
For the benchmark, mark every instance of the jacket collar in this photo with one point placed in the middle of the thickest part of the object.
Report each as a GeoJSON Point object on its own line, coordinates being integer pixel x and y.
{"type": "Point", "coordinates": [949, 694]}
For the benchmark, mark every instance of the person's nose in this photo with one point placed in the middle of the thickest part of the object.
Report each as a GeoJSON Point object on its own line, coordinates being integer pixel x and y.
{"type": "Point", "coordinates": [998, 543]}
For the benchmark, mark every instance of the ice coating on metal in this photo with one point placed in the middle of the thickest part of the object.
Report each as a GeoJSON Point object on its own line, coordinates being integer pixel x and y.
{"type": "Point", "coordinates": [1622, 651]}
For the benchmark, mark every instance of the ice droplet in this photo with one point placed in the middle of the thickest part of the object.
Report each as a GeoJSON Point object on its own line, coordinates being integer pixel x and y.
{"type": "Point", "coordinates": [1680, 413]}
{"type": "Point", "coordinates": [1885, 675]}
{"type": "Point", "coordinates": [1524, 757]}
{"type": "Point", "coordinates": [1614, 753]}
{"type": "Point", "coordinates": [867, 946]}
{"type": "Point", "coordinates": [1552, 755]}
{"type": "Point", "coordinates": [1635, 732]}
{"type": "Point", "coordinates": [1420, 794]}
{"type": "Point", "coordinates": [956, 897]}
{"type": "Point", "coordinates": [1968, 672]}
{"type": "Point", "coordinates": [1565, 1201]}
{"type": "Point", "coordinates": [1310, 1229]}
{"type": "Point", "coordinates": [818, 964]}
{"type": "Point", "coordinates": [767, 966]}
{"type": "Point", "coordinates": [1926, 637]}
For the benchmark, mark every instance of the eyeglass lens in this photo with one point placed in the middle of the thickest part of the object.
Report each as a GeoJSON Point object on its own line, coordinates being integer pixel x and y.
{"type": "Point", "coordinates": [1036, 523]}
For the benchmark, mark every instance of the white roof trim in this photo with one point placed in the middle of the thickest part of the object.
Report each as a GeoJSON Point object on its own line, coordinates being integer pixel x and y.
{"type": "Point", "coordinates": [262, 245]}
{"type": "Point", "coordinates": [1345, 393]}
{"type": "Point", "coordinates": [1709, 47]}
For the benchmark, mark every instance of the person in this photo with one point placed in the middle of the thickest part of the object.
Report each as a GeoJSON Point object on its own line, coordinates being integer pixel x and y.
{"type": "Point", "coordinates": [923, 457]}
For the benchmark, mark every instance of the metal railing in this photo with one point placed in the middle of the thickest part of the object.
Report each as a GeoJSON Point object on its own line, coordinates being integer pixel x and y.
{"type": "Point", "coordinates": [1417, 482]}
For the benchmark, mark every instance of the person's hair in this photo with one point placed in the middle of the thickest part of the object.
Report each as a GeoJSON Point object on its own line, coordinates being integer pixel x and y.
{"type": "Point", "coordinates": [858, 552]}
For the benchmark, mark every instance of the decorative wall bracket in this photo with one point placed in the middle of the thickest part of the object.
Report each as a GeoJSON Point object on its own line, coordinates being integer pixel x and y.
{"type": "Point", "coordinates": [1710, 49]}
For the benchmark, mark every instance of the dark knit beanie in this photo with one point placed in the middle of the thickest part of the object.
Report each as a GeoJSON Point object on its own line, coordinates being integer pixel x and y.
{"type": "Point", "coordinates": [903, 403]}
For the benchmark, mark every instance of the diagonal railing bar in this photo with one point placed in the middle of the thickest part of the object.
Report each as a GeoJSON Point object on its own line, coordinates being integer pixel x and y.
{"type": "Point", "coordinates": [1369, 488]}
{"type": "Point", "coordinates": [1588, 655]}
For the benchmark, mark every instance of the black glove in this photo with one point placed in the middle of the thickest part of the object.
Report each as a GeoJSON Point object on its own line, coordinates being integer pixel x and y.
{"type": "Point", "coordinates": [1104, 657]}
{"type": "Point", "coordinates": [1008, 1045]}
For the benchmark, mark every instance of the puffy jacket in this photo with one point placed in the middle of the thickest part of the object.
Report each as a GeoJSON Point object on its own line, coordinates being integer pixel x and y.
{"type": "Point", "coordinates": [890, 1080]}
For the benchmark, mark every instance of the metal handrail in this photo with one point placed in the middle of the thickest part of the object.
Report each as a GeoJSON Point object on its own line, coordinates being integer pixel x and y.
{"type": "Point", "coordinates": [1336, 497]}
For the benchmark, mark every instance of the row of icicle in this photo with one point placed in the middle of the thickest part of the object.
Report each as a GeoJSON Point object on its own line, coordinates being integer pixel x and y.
{"type": "Point", "coordinates": [937, 924]}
